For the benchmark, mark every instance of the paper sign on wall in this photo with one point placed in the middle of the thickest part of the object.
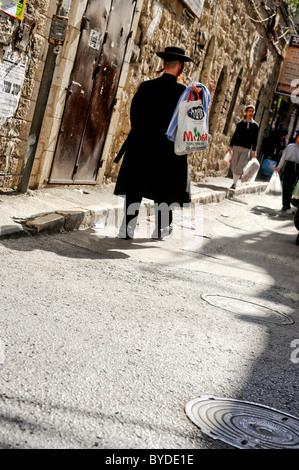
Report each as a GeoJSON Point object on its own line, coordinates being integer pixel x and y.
{"type": "Point", "coordinates": [195, 6]}
{"type": "Point", "coordinates": [13, 8]}
{"type": "Point", "coordinates": [12, 74]}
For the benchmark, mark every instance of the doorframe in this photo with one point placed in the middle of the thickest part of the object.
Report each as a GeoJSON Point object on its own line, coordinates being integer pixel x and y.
{"type": "Point", "coordinates": [121, 84]}
{"type": "Point", "coordinates": [58, 94]}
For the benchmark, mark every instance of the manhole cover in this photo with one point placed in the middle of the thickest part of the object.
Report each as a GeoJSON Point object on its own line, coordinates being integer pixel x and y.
{"type": "Point", "coordinates": [244, 307]}
{"type": "Point", "coordinates": [243, 424]}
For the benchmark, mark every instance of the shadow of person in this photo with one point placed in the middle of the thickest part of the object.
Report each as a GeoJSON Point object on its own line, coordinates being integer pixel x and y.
{"type": "Point", "coordinates": [212, 187]}
{"type": "Point", "coordinates": [272, 213]}
{"type": "Point", "coordinates": [79, 244]}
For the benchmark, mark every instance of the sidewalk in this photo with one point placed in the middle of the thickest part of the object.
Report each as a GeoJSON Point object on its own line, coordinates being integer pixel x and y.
{"type": "Point", "coordinates": [54, 210]}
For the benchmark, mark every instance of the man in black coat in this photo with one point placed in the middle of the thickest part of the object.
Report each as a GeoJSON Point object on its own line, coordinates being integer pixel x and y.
{"type": "Point", "coordinates": [150, 168]}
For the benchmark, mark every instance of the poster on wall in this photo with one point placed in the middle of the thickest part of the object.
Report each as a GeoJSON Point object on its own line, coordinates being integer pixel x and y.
{"type": "Point", "coordinates": [288, 80]}
{"type": "Point", "coordinates": [13, 8]}
{"type": "Point", "coordinates": [12, 74]}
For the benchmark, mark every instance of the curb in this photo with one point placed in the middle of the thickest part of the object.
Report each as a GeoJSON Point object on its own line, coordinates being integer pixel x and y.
{"type": "Point", "coordinates": [82, 218]}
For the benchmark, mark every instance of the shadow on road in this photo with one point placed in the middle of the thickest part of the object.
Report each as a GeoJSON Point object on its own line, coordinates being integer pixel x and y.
{"type": "Point", "coordinates": [83, 244]}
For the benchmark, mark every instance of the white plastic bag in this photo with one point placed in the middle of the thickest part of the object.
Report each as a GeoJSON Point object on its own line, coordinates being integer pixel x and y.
{"type": "Point", "coordinates": [225, 164]}
{"type": "Point", "coordinates": [296, 191]}
{"type": "Point", "coordinates": [274, 187]}
{"type": "Point", "coordinates": [250, 171]}
{"type": "Point", "coordinates": [192, 134]}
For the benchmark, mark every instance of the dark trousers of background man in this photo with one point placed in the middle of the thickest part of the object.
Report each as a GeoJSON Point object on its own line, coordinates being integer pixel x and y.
{"type": "Point", "coordinates": [163, 216]}
{"type": "Point", "coordinates": [290, 175]}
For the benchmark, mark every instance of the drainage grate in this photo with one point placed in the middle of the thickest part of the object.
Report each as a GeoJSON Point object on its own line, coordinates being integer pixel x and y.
{"type": "Point", "coordinates": [244, 307]}
{"type": "Point", "coordinates": [243, 424]}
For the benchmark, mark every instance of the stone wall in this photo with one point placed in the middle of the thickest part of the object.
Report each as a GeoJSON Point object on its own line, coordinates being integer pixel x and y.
{"type": "Point", "coordinates": [227, 48]}
{"type": "Point", "coordinates": [14, 130]}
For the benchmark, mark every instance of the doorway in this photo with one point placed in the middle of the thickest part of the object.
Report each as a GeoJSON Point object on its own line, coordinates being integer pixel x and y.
{"type": "Point", "coordinates": [105, 30]}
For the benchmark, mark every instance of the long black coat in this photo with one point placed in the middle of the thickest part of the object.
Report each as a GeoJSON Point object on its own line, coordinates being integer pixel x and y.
{"type": "Point", "coordinates": [150, 167]}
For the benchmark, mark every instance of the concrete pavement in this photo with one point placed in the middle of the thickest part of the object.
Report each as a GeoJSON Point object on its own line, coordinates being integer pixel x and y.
{"type": "Point", "coordinates": [71, 208]}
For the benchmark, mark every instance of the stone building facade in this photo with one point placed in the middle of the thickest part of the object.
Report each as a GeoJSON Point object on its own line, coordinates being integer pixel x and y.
{"type": "Point", "coordinates": [235, 54]}
{"type": "Point", "coordinates": [237, 48]}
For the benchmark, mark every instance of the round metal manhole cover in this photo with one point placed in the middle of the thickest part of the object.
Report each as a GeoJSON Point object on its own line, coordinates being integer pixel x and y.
{"type": "Point", "coordinates": [244, 307]}
{"type": "Point", "coordinates": [243, 424]}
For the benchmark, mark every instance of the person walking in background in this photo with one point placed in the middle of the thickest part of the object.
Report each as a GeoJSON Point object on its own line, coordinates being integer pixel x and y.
{"type": "Point", "coordinates": [289, 164]}
{"type": "Point", "coordinates": [150, 168]}
{"type": "Point", "coordinates": [274, 145]}
{"type": "Point", "coordinates": [279, 144]}
{"type": "Point", "coordinates": [243, 140]}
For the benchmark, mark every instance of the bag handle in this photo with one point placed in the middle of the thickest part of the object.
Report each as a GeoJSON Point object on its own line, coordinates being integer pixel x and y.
{"type": "Point", "coordinates": [191, 98]}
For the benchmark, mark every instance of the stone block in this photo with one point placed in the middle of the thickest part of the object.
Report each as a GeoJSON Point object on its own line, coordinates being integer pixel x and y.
{"type": "Point", "coordinates": [74, 219]}
{"type": "Point", "coordinates": [53, 223]}
{"type": "Point", "coordinates": [10, 229]}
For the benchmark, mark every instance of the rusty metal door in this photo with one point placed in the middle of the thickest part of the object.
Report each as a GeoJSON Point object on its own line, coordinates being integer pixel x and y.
{"type": "Point", "coordinates": [106, 27]}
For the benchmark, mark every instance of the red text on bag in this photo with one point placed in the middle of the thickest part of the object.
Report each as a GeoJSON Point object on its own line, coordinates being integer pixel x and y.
{"type": "Point", "coordinates": [196, 137]}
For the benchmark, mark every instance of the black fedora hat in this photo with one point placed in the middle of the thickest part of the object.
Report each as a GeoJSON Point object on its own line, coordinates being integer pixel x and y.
{"type": "Point", "coordinates": [171, 54]}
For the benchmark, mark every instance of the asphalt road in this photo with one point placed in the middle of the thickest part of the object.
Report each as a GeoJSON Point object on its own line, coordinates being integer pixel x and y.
{"type": "Point", "coordinates": [104, 341]}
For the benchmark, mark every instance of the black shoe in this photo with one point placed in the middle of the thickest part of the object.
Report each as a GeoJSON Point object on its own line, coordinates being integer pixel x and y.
{"type": "Point", "coordinates": [295, 202]}
{"type": "Point", "coordinates": [233, 186]}
{"type": "Point", "coordinates": [124, 236]}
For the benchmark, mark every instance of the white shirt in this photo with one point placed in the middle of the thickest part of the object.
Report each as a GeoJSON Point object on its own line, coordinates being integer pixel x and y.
{"type": "Point", "coordinates": [291, 154]}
